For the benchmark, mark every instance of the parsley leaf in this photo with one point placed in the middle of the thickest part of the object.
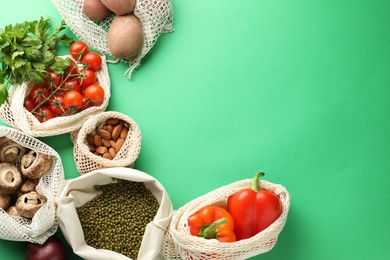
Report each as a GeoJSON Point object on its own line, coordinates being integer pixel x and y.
{"type": "Point", "coordinates": [27, 50]}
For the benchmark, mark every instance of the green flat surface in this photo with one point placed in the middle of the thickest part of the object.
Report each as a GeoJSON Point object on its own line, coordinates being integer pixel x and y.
{"type": "Point", "coordinates": [298, 89]}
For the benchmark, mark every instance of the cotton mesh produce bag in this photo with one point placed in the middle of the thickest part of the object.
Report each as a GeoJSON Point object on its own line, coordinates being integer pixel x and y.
{"type": "Point", "coordinates": [87, 161]}
{"type": "Point", "coordinates": [156, 17]}
{"type": "Point", "coordinates": [80, 190]}
{"type": "Point", "coordinates": [44, 223]}
{"type": "Point", "coordinates": [191, 247]}
{"type": "Point", "coordinates": [14, 113]}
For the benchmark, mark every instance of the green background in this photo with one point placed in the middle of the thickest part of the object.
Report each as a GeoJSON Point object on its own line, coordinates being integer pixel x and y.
{"type": "Point", "coordinates": [298, 89]}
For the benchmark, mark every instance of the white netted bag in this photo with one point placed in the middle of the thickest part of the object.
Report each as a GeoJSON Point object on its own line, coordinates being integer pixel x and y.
{"type": "Point", "coordinates": [80, 190]}
{"type": "Point", "coordinates": [87, 161]}
{"type": "Point", "coordinates": [156, 17]}
{"type": "Point", "coordinates": [14, 113]}
{"type": "Point", "coordinates": [44, 223]}
{"type": "Point", "coordinates": [193, 247]}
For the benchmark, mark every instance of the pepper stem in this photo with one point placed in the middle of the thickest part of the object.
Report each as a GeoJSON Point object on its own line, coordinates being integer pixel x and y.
{"type": "Point", "coordinates": [255, 181]}
{"type": "Point", "coordinates": [211, 231]}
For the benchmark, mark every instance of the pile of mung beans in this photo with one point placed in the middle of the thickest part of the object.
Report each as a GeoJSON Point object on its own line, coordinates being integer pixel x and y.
{"type": "Point", "coordinates": [116, 219]}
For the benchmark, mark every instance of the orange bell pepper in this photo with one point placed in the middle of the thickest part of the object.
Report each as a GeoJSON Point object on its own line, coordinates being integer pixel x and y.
{"type": "Point", "coordinates": [212, 222]}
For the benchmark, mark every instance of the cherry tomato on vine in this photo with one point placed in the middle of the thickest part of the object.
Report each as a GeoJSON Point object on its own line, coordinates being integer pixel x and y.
{"type": "Point", "coordinates": [88, 77]}
{"type": "Point", "coordinates": [39, 93]}
{"type": "Point", "coordinates": [77, 50]}
{"type": "Point", "coordinates": [72, 69]}
{"type": "Point", "coordinates": [53, 79]}
{"type": "Point", "coordinates": [71, 84]}
{"type": "Point", "coordinates": [95, 94]}
{"type": "Point", "coordinates": [29, 104]}
{"type": "Point", "coordinates": [92, 60]}
{"type": "Point", "coordinates": [44, 113]}
{"type": "Point", "coordinates": [73, 99]}
{"type": "Point", "coordinates": [57, 104]}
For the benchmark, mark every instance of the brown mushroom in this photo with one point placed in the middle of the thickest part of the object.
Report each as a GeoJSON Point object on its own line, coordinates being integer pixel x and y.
{"type": "Point", "coordinates": [10, 151]}
{"type": "Point", "coordinates": [28, 185]}
{"type": "Point", "coordinates": [34, 164]}
{"type": "Point", "coordinates": [13, 212]}
{"type": "Point", "coordinates": [29, 203]}
{"type": "Point", "coordinates": [5, 201]}
{"type": "Point", "coordinates": [10, 178]}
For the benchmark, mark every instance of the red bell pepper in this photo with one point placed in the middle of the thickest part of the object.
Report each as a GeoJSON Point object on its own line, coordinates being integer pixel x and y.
{"type": "Point", "coordinates": [253, 210]}
{"type": "Point", "coordinates": [212, 222]}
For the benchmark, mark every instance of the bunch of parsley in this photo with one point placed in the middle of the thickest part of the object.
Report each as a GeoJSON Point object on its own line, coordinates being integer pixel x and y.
{"type": "Point", "coordinates": [27, 51]}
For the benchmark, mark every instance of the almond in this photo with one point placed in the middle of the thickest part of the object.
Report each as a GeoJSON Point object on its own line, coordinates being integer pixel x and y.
{"type": "Point", "coordinates": [106, 143]}
{"type": "Point", "coordinates": [117, 131]}
{"type": "Point", "coordinates": [119, 144]}
{"type": "Point", "coordinates": [103, 133]}
{"type": "Point", "coordinates": [127, 125]}
{"type": "Point", "coordinates": [90, 139]}
{"type": "Point", "coordinates": [112, 121]}
{"type": "Point", "coordinates": [107, 156]}
{"type": "Point", "coordinates": [101, 150]}
{"type": "Point", "coordinates": [112, 152]}
{"type": "Point", "coordinates": [98, 140]}
{"type": "Point", "coordinates": [113, 143]}
{"type": "Point", "coordinates": [124, 133]}
{"type": "Point", "coordinates": [92, 148]}
{"type": "Point", "coordinates": [110, 128]}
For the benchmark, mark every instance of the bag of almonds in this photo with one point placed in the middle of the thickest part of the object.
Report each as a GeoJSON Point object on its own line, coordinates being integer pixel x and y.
{"type": "Point", "coordinates": [108, 139]}
{"type": "Point", "coordinates": [31, 178]}
{"type": "Point", "coordinates": [131, 213]}
{"type": "Point", "coordinates": [91, 21]}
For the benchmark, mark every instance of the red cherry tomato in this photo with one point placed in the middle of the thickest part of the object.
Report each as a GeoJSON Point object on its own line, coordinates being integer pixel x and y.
{"type": "Point", "coordinates": [29, 103]}
{"type": "Point", "coordinates": [57, 104]}
{"type": "Point", "coordinates": [39, 93]}
{"type": "Point", "coordinates": [95, 94]}
{"type": "Point", "coordinates": [88, 77]}
{"type": "Point", "coordinates": [44, 113]}
{"type": "Point", "coordinates": [53, 80]}
{"type": "Point", "coordinates": [77, 50]}
{"type": "Point", "coordinates": [72, 69]}
{"type": "Point", "coordinates": [73, 99]}
{"type": "Point", "coordinates": [71, 84]}
{"type": "Point", "coordinates": [92, 60]}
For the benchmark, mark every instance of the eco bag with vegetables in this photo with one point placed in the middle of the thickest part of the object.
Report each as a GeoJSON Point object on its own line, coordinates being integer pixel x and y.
{"type": "Point", "coordinates": [49, 94]}
{"type": "Point", "coordinates": [124, 29]}
{"type": "Point", "coordinates": [108, 139]}
{"type": "Point", "coordinates": [236, 221]}
{"type": "Point", "coordinates": [31, 178]}
{"type": "Point", "coordinates": [114, 213]}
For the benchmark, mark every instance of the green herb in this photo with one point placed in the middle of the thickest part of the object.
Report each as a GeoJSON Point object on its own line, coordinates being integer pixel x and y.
{"type": "Point", "coordinates": [27, 51]}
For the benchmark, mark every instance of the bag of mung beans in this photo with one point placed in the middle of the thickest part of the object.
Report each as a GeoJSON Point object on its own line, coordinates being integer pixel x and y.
{"type": "Point", "coordinates": [114, 222]}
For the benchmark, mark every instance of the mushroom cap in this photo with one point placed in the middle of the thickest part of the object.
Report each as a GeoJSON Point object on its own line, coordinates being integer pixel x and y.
{"type": "Point", "coordinates": [5, 201]}
{"type": "Point", "coordinates": [13, 212]}
{"type": "Point", "coordinates": [10, 151]}
{"type": "Point", "coordinates": [35, 164]}
{"type": "Point", "coordinates": [29, 203]}
{"type": "Point", "coordinates": [10, 178]}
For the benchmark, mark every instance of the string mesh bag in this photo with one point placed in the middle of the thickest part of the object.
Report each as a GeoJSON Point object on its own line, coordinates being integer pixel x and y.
{"type": "Point", "coordinates": [87, 161]}
{"type": "Point", "coordinates": [193, 247]}
{"type": "Point", "coordinates": [156, 17]}
{"type": "Point", "coordinates": [81, 190]}
{"type": "Point", "coordinates": [45, 222]}
{"type": "Point", "coordinates": [14, 113]}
